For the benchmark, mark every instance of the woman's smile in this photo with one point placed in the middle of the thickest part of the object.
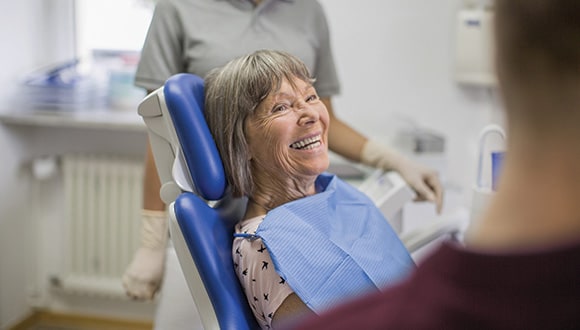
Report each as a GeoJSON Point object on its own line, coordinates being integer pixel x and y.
{"type": "Point", "coordinates": [308, 143]}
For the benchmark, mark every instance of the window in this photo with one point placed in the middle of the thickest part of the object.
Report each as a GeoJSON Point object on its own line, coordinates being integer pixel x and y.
{"type": "Point", "coordinates": [109, 36]}
{"type": "Point", "coordinates": [111, 24]}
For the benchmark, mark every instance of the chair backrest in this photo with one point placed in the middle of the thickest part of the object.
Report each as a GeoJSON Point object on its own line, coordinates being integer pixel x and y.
{"type": "Point", "coordinates": [203, 215]}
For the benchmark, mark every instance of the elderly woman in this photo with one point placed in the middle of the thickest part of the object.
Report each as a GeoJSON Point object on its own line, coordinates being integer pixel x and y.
{"type": "Point", "coordinates": [307, 240]}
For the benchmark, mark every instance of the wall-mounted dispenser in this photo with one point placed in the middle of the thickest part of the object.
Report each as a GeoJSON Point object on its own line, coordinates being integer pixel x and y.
{"type": "Point", "coordinates": [474, 47]}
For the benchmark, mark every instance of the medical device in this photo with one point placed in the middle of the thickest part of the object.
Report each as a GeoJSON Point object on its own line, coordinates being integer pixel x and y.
{"type": "Point", "coordinates": [390, 193]}
{"type": "Point", "coordinates": [489, 162]}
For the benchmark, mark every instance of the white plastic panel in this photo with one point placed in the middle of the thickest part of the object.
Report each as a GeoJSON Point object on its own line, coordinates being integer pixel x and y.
{"type": "Point", "coordinates": [474, 49]}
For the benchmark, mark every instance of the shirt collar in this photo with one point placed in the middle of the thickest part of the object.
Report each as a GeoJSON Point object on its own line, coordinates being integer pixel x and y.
{"type": "Point", "coordinates": [248, 5]}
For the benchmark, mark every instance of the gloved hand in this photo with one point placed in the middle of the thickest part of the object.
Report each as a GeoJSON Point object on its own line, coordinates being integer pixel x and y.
{"type": "Point", "coordinates": [143, 277]}
{"type": "Point", "coordinates": [423, 180]}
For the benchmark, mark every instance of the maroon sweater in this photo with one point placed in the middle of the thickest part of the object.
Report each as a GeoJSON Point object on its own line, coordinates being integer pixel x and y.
{"type": "Point", "coordinates": [459, 289]}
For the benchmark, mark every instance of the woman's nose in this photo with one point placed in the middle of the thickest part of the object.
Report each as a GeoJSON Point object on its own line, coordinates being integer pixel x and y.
{"type": "Point", "coordinates": [307, 114]}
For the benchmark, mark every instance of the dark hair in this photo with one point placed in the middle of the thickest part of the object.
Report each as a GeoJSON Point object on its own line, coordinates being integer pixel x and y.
{"type": "Point", "coordinates": [538, 37]}
{"type": "Point", "coordinates": [538, 63]}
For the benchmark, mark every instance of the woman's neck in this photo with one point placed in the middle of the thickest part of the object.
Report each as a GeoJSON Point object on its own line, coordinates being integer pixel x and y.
{"type": "Point", "coordinates": [270, 192]}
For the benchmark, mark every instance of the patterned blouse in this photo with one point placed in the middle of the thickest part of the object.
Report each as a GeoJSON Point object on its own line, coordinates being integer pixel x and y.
{"type": "Point", "coordinates": [265, 289]}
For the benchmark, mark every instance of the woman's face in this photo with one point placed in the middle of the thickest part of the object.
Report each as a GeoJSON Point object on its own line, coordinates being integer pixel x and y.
{"type": "Point", "coordinates": [288, 132]}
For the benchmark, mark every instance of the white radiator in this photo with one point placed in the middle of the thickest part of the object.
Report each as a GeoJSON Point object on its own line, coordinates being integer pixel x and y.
{"type": "Point", "coordinates": [103, 199]}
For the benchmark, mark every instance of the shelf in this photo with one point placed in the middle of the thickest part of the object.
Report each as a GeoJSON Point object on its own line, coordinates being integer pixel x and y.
{"type": "Point", "coordinates": [103, 119]}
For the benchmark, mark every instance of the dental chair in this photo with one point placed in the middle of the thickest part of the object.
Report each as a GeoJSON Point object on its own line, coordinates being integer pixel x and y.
{"type": "Point", "coordinates": [202, 213]}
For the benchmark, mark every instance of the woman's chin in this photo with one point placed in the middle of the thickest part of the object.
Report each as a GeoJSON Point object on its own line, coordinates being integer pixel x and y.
{"type": "Point", "coordinates": [323, 167]}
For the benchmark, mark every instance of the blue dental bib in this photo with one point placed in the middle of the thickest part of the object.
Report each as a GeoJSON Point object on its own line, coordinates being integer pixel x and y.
{"type": "Point", "coordinates": [333, 245]}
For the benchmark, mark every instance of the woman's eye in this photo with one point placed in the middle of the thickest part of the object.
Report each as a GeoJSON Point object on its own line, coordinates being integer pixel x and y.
{"type": "Point", "coordinates": [311, 98]}
{"type": "Point", "coordinates": [280, 107]}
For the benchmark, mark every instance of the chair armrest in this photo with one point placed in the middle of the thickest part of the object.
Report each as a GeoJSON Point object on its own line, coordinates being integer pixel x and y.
{"type": "Point", "coordinates": [418, 238]}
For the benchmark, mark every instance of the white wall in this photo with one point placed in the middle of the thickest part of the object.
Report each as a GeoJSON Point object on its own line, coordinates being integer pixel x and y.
{"type": "Point", "coordinates": [28, 35]}
{"type": "Point", "coordinates": [39, 33]}
{"type": "Point", "coordinates": [395, 59]}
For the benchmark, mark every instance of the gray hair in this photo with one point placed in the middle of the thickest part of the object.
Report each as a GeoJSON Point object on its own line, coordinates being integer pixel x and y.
{"type": "Point", "coordinates": [233, 92]}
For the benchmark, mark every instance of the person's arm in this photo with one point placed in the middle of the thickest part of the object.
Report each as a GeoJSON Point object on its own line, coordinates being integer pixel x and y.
{"type": "Point", "coordinates": [291, 309]}
{"type": "Point", "coordinates": [151, 184]}
{"type": "Point", "coordinates": [161, 57]}
{"type": "Point", "coordinates": [342, 138]}
{"type": "Point", "coordinates": [349, 143]}
{"type": "Point", "coordinates": [271, 298]}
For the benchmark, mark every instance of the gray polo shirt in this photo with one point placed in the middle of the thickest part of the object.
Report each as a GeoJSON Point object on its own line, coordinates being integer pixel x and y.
{"type": "Point", "coordinates": [196, 36]}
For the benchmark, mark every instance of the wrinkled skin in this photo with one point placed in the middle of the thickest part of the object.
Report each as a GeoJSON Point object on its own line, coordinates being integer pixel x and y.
{"type": "Point", "coordinates": [283, 168]}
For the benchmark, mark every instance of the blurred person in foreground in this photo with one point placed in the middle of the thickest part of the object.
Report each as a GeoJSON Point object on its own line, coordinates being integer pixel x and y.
{"type": "Point", "coordinates": [520, 266]}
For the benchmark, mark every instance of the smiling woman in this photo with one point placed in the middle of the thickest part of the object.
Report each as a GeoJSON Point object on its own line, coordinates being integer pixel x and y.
{"type": "Point", "coordinates": [307, 239]}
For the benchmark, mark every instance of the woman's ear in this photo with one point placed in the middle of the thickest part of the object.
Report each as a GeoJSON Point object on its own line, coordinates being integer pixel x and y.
{"type": "Point", "coordinates": [249, 155]}
{"type": "Point", "coordinates": [248, 150]}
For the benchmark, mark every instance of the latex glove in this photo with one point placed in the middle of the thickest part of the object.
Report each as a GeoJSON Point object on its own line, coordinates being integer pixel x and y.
{"type": "Point", "coordinates": [423, 180]}
{"type": "Point", "coordinates": [143, 277]}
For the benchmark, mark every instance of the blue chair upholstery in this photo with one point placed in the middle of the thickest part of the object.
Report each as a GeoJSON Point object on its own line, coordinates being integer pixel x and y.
{"type": "Point", "coordinates": [184, 96]}
{"type": "Point", "coordinates": [201, 220]}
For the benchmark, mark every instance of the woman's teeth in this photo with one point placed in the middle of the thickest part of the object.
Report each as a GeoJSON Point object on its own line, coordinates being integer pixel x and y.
{"type": "Point", "coordinates": [307, 144]}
